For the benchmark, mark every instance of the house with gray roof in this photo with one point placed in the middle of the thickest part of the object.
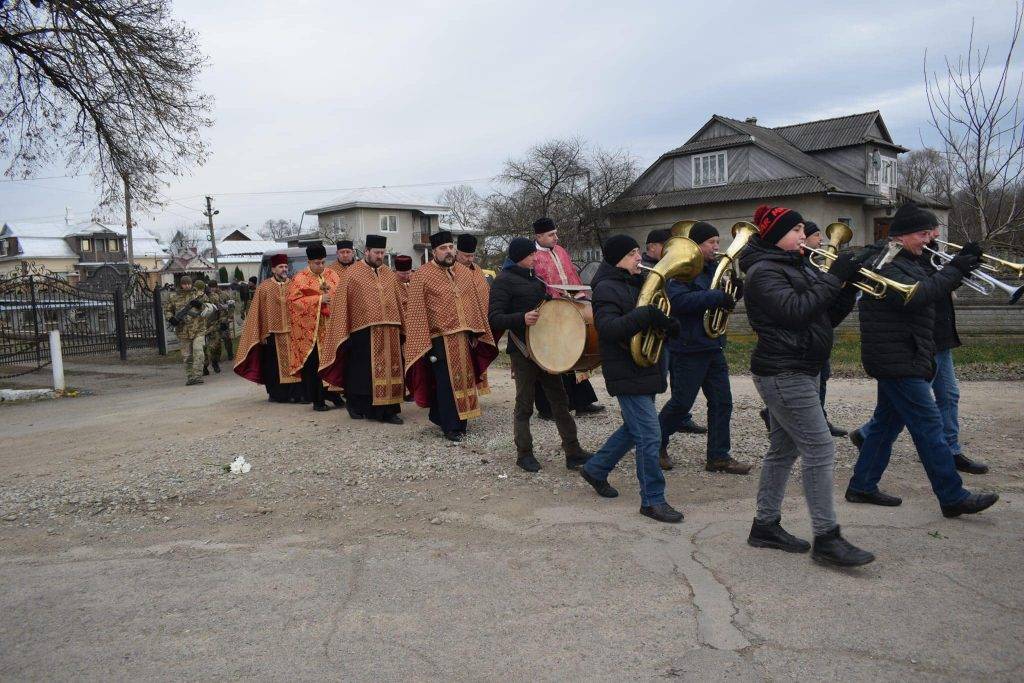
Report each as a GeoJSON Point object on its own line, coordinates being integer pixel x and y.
{"type": "Point", "coordinates": [840, 169]}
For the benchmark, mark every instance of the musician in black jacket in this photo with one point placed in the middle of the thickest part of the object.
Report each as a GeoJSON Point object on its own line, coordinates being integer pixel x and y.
{"type": "Point", "coordinates": [515, 296]}
{"type": "Point", "coordinates": [898, 349]}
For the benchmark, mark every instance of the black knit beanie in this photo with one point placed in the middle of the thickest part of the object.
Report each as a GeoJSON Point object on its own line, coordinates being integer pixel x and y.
{"type": "Point", "coordinates": [616, 247]}
{"type": "Point", "coordinates": [520, 247]}
{"type": "Point", "coordinates": [702, 231]}
{"type": "Point", "coordinates": [773, 222]}
{"type": "Point", "coordinates": [659, 236]}
{"type": "Point", "coordinates": [810, 227]}
{"type": "Point", "coordinates": [912, 218]}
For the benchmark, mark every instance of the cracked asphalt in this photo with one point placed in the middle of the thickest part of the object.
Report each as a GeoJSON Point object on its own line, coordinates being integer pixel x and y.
{"type": "Point", "coordinates": [354, 553]}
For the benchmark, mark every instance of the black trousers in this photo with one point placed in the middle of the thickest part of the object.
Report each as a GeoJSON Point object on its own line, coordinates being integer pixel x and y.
{"type": "Point", "coordinates": [312, 387]}
{"type": "Point", "coordinates": [443, 412]}
{"type": "Point", "coordinates": [270, 372]}
{"type": "Point", "coordinates": [581, 394]}
{"type": "Point", "coordinates": [359, 379]}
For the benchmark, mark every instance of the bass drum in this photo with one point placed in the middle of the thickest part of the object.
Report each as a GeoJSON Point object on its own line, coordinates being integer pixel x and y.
{"type": "Point", "coordinates": [564, 338]}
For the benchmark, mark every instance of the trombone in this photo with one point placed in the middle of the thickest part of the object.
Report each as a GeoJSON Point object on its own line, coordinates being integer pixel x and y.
{"type": "Point", "coordinates": [881, 284]}
{"type": "Point", "coordinates": [980, 282]}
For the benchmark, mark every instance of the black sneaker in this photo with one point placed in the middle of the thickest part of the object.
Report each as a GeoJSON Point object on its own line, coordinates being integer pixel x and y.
{"type": "Point", "coordinates": [603, 488]}
{"type": "Point", "coordinates": [836, 431]}
{"type": "Point", "coordinates": [974, 503]}
{"type": "Point", "coordinates": [528, 463]}
{"type": "Point", "coordinates": [216, 367]}
{"type": "Point", "coordinates": [772, 535]}
{"type": "Point", "coordinates": [321, 407]}
{"type": "Point", "coordinates": [876, 498]}
{"type": "Point", "coordinates": [965, 464]}
{"type": "Point", "coordinates": [857, 438]}
{"type": "Point", "coordinates": [454, 436]}
{"type": "Point", "coordinates": [663, 512]}
{"type": "Point", "coordinates": [356, 416]}
{"type": "Point", "coordinates": [692, 427]}
{"type": "Point", "coordinates": [590, 409]}
{"type": "Point", "coordinates": [832, 549]}
{"type": "Point", "coordinates": [392, 420]}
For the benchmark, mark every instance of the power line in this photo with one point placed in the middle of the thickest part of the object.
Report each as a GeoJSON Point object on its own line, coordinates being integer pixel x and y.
{"type": "Point", "coordinates": [338, 189]}
{"type": "Point", "coordinates": [27, 180]}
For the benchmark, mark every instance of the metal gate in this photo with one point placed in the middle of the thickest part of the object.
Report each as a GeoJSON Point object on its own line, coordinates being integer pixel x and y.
{"type": "Point", "coordinates": [90, 319]}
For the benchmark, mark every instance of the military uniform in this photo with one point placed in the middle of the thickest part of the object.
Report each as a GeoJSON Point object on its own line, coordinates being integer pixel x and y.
{"type": "Point", "coordinates": [214, 333]}
{"type": "Point", "coordinates": [191, 330]}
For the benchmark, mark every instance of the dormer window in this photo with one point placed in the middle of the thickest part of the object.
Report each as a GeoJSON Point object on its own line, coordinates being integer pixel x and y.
{"type": "Point", "coordinates": [112, 245]}
{"type": "Point", "coordinates": [85, 243]}
{"type": "Point", "coordinates": [710, 169]}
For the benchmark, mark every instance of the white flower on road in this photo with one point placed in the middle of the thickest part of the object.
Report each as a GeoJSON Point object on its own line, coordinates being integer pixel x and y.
{"type": "Point", "coordinates": [240, 466]}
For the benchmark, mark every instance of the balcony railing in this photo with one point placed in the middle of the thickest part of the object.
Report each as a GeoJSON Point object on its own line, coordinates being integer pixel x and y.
{"type": "Point", "coordinates": [103, 256]}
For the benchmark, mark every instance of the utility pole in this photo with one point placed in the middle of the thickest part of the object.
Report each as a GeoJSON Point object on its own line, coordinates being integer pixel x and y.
{"type": "Point", "coordinates": [210, 213]}
{"type": "Point", "coordinates": [128, 223]}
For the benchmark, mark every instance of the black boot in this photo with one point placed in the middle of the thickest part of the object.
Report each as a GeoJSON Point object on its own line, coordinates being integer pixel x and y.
{"type": "Point", "coordinates": [965, 464]}
{"type": "Point", "coordinates": [832, 549]}
{"type": "Point", "coordinates": [216, 367]}
{"type": "Point", "coordinates": [664, 459]}
{"type": "Point", "coordinates": [691, 427]}
{"type": "Point", "coordinates": [836, 431]}
{"type": "Point", "coordinates": [662, 512]}
{"type": "Point", "coordinates": [528, 463]}
{"type": "Point", "coordinates": [875, 498]}
{"type": "Point", "coordinates": [206, 370]}
{"type": "Point", "coordinates": [975, 502]}
{"type": "Point", "coordinates": [575, 459]}
{"type": "Point", "coordinates": [772, 535]}
{"type": "Point", "coordinates": [857, 438]}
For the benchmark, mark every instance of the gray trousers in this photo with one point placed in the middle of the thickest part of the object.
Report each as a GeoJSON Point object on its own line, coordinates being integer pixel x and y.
{"type": "Point", "coordinates": [527, 375]}
{"type": "Point", "coordinates": [798, 427]}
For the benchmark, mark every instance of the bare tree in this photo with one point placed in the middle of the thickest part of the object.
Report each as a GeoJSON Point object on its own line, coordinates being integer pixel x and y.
{"type": "Point", "coordinates": [466, 207]}
{"type": "Point", "coordinates": [278, 229]}
{"type": "Point", "coordinates": [186, 239]}
{"type": "Point", "coordinates": [924, 171]}
{"type": "Point", "coordinates": [976, 111]}
{"type": "Point", "coordinates": [104, 85]}
{"type": "Point", "coordinates": [565, 180]}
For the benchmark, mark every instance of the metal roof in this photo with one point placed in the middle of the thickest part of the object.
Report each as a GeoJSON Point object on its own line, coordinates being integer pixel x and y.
{"type": "Point", "coordinates": [764, 189]}
{"type": "Point", "coordinates": [722, 142]}
{"type": "Point", "coordinates": [379, 198]}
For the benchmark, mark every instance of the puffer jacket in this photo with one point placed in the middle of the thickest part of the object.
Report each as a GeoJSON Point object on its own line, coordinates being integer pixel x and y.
{"type": "Point", "coordinates": [792, 307]}
{"type": "Point", "coordinates": [897, 337]}
{"type": "Point", "coordinates": [946, 336]}
{"type": "Point", "coordinates": [689, 301]}
{"type": "Point", "coordinates": [617, 319]}
{"type": "Point", "coordinates": [514, 292]}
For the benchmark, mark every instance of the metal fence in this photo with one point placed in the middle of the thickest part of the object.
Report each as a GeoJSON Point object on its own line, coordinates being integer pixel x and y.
{"type": "Point", "coordinates": [99, 316]}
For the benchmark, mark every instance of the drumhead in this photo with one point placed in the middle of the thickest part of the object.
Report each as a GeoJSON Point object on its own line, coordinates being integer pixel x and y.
{"type": "Point", "coordinates": [556, 342]}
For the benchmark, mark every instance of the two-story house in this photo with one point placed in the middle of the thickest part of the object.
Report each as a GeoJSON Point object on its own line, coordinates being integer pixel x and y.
{"type": "Point", "coordinates": [842, 169]}
{"type": "Point", "coordinates": [407, 221]}
{"type": "Point", "coordinates": [77, 250]}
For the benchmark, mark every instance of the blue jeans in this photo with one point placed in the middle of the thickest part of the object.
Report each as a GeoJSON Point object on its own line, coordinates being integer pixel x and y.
{"type": "Point", "coordinates": [907, 401]}
{"type": "Point", "coordinates": [947, 397]}
{"type": "Point", "coordinates": [690, 373]}
{"type": "Point", "coordinates": [639, 428]}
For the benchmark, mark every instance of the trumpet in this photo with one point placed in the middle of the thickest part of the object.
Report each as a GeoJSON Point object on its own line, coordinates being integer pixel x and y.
{"type": "Point", "coordinates": [725, 278]}
{"type": "Point", "coordinates": [980, 282]}
{"type": "Point", "coordinates": [990, 263]}
{"type": "Point", "coordinates": [878, 286]}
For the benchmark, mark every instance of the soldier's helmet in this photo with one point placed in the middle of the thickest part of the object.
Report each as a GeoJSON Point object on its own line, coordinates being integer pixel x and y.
{"type": "Point", "coordinates": [200, 284]}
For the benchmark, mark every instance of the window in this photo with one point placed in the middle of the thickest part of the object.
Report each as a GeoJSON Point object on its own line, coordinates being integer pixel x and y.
{"type": "Point", "coordinates": [388, 222]}
{"type": "Point", "coordinates": [845, 220]}
{"type": "Point", "coordinates": [888, 171]}
{"type": "Point", "coordinates": [3, 247]}
{"type": "Point", "coordinates": [710, 169]}
{"type": "Point", "coordinates": [112, 245]}
{"type": "Point", "coordinates": [882, 170]}
{"type": "Point", "coordinates": [86, 244]}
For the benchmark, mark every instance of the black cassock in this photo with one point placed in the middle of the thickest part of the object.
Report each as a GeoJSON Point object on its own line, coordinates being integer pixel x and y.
{"type": "Point", "coordinates": [359, 379]}
{"type": "Point", "coordinates": [271, 375]}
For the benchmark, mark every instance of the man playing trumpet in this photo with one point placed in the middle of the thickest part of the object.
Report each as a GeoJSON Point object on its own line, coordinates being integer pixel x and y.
{"type": "Point", "coordinates": [898, 350]}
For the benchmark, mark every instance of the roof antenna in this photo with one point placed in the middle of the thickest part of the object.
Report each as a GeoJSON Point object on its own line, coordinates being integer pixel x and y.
{"type": "Point", "coordinates": [67, 216]}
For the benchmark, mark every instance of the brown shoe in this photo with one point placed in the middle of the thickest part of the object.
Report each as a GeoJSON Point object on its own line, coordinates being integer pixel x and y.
{"type": "Point", "coordinates": [664, 459]}
{"type": "Point", "coordinates": [729, 465]}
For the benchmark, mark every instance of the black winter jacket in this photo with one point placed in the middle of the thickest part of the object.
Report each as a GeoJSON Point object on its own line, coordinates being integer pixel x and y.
{"type": "Point", "coordinates": [792, 308]}
{"type": "Point", "coordinates": [689, 301]}
{"type": "Point", "coordinates": [897, 338]}
{"type": "Point", "coordinates": [945, 316]}
{"type": "Point", "coordinates": [514, 292]}
{"type": "Point", "coordinates": [617, 319]}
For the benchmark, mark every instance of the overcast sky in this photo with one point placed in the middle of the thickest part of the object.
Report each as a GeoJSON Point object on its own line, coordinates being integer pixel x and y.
{"type": "Point", "coordinates": [315, 95]}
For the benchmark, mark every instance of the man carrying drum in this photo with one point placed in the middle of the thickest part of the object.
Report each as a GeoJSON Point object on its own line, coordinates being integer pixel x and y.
{"type": "Point", "coordinates": [515, 296]}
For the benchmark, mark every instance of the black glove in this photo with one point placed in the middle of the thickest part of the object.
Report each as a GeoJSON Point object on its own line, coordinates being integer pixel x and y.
{"type": "Point", "coordinates": [845, 268]}
{"type": "Point", "coordinates": [173, 322]}
{"type": "Point", "coordinates": [646, 315]}
{"type": "Point", "coordinates": [660, 320]}
{"type": "Point", "coordinates": [728, 301]}
{"type": "Point", "coordinates": [738, 284]}
{"type": "Point", "coordinates": [674, 329]}
{"type": "Point", "coordinates": [197, 304]}
{"type": "Point", "coordinates": [968, 259]}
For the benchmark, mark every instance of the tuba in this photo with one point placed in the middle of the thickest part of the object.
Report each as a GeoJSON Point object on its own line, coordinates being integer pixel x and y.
{"type": "Point", "coordinates": [725, 277]}
{"type": "Point", "coordinates": [837, 234]}
{"type": "Point", "coordinates": [681, 260]}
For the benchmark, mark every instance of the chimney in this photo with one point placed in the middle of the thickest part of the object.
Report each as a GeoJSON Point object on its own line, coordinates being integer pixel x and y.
{"type": "Point", "coordinates": [751, 119]}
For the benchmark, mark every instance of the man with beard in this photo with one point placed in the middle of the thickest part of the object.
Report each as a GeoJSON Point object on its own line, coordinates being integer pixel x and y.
{"type": "Point", "coordinates": [263, 347]}
{"type": "Point", "coordinates": [448, 343]}
{"type": "Point", "coordinates": [344, 258]}
{"type": "Point", "coordinates": [554, 267]}
{"type": "Point", "coordinates": [309, 294]}
{"type": "Point", "coordinates": [364, 340]}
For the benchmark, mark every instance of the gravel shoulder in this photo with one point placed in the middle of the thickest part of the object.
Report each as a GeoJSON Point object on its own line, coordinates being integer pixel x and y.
{"type": "Point", "coordinates": [363, 551]}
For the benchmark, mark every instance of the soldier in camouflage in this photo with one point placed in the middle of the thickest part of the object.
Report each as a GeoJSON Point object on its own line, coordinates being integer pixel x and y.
{"type": "Point", "coordinates": [215, 328]}
{"type": "Point", "coordinates": [183, 310]}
